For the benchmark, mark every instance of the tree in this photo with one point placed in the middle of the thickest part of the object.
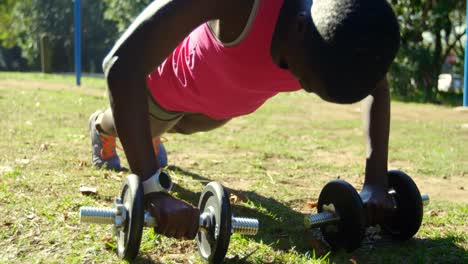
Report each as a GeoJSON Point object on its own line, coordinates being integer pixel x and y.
{"type": "Point", "coordinates": [123, 12]}
{"type": "Point", "coordinates": [430, 31]}
{"type": "Point", "coordinates": [33, 18]}
{"type": "Point", "coordinates": [6, 38]}
{"type": "Point", "coordinates": [10, 58]}
{"type": "Point", "coordinates": [99, 35]}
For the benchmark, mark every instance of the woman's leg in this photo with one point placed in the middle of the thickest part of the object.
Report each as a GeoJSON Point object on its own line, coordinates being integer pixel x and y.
{"type": "Point", "coordinates": [192, 123]}
{"type": "Point", "coordinates": [105, 124]}
{"type": "Point", "coordinates": [104, 133]}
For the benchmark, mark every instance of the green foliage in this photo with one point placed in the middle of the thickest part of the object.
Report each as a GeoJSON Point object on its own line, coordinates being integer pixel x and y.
{"type": "Point", "coordinates": [32, 19]}
{"type": "Point", "coordinates": [430, 31]}
{"type": "Point", "coordinates": [6, 39]}
{"type": "Point", "coordinates": [99, 35]}
{"type": "Point", "coordinates": [11, 60]}
{"type": "Point", "coordinates": [123, 12]}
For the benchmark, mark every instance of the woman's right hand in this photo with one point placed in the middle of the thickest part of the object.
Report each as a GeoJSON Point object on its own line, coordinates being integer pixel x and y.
{"type": "Point", "coordinates": [175, 218]}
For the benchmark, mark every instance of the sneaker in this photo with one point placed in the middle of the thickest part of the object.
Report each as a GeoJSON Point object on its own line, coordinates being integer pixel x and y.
{"type": "Point", "coordinates": [103, 150]}
{"type": "Point", "coordinates": [160, 151]}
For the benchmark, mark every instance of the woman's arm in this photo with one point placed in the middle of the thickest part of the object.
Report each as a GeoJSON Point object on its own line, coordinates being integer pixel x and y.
{"type": "Point", "coordinates": [145, 44]}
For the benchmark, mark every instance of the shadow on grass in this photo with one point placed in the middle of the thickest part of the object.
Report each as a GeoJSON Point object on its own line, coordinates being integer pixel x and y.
{"type": "Point", "coordinates": [280, 227]}
{"type": "Point", "coordinates": [416, 250]}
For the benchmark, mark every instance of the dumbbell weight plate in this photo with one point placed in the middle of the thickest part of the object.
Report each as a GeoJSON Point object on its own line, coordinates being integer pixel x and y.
{"type": "Point", "coordinates": [404, 222]}
{"type": "Point", "coordinates": [213, 243]}
{"type": "Point", "coordinates": [129, 236]}
{"type": "Point", "coordinates": [341, 197]}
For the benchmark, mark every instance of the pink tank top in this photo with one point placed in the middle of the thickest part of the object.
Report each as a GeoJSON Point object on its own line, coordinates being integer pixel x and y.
{"type": "Point", "coordinates": [204, 76]}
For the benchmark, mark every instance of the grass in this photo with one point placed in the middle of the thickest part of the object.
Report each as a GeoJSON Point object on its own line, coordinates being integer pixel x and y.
{"type": "Point", "coordinates": [275, 160]}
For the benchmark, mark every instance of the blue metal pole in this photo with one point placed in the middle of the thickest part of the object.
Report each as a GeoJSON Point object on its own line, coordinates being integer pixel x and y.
{"type": "Point", "coordinates": [78, 41]}
{"type": "Point", "coordinates": [465, 92]}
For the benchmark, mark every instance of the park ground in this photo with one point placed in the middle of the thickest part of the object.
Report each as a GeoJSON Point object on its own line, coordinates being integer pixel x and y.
{"type": "Point", "coordinates": [274, 162]}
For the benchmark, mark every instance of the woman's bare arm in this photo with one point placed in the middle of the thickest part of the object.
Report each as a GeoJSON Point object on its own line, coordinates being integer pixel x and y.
{"type": "Point", "coordinates": [144, 46]}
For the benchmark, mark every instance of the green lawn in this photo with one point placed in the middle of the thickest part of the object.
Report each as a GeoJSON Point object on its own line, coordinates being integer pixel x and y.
{"type": "Point", "coordinates": [276, 160]}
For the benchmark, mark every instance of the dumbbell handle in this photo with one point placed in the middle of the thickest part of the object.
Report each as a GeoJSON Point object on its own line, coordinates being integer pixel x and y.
{"type": "Point", "coordinates": [104, 216]}
{"type": "Point", "coordinates": [240, 225]}
{"type": "Point", "coordinates": [95, 215]}
{"type": "Point", "coordinates": [316, 220]}
{"type": "Point", "coordinates": [244, 226]}
{"type": "Point", "coordinates": [109, 216]}
{"type": "Point", "coordinates": [425, 199]}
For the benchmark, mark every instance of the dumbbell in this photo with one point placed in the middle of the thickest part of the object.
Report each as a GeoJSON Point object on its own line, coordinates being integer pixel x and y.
{"type": "Point", "coordinates": [341, 215]}
{"type": "Point", "coordinates": [129, 217]}
{"type": "Point", "coordinates": [217, 223]}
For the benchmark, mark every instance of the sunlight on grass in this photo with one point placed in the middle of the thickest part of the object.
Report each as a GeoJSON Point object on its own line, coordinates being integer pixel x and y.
{"type": "Point", "coordinates": [277, 160]}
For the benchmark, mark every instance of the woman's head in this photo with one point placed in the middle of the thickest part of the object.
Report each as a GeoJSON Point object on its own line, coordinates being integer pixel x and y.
{"type": "Point", "coordinates": [340, 49]}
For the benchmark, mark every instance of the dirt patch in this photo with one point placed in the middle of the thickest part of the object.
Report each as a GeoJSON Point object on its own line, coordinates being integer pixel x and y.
{"type": "Point", "coordinates": [432, 113]}
{"type": "Point", "coordinates": [453, 189]}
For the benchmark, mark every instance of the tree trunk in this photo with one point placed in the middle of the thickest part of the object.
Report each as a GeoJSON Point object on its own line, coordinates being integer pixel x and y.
{"type": "Point", "coordinates": [437, 62]}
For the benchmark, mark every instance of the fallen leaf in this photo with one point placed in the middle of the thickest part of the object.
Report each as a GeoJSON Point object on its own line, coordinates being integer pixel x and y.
{"type": "Point", "coordinates": [44, 147]}
{"type": "Point", "coordinates": [233, 198]}
{"type": "Point", "coordinates": [311, 204]}
{"type": "Point", "coordinates": [7, 224]}
{"type": "Point", "coordinates": [88, 190]}
{"type": "Point", "coordinates": [237, 198]}
{"type": "Point", "coordinates": [433, 213]}
{"type": "Point", "coordinates": [107, 239]}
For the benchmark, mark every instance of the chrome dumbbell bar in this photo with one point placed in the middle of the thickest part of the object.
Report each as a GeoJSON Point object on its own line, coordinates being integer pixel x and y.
{"type": "Point", "coordinates": [117, 216]}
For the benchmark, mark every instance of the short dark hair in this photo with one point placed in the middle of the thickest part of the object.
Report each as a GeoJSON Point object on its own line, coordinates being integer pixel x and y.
{"type": "Point", "coordinates": [354, 43]}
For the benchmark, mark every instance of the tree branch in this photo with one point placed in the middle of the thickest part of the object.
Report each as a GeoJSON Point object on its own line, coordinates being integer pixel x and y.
{"type": "Point", "coordinates": [454, 43]}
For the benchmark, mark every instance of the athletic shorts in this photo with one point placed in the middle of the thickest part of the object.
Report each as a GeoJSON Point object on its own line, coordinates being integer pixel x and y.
{"type": "Point", "coordinates": [158, 112]}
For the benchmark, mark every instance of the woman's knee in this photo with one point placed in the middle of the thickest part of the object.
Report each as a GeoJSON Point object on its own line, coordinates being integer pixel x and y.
{"type": "Point", "coordinates": [105, 123]}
